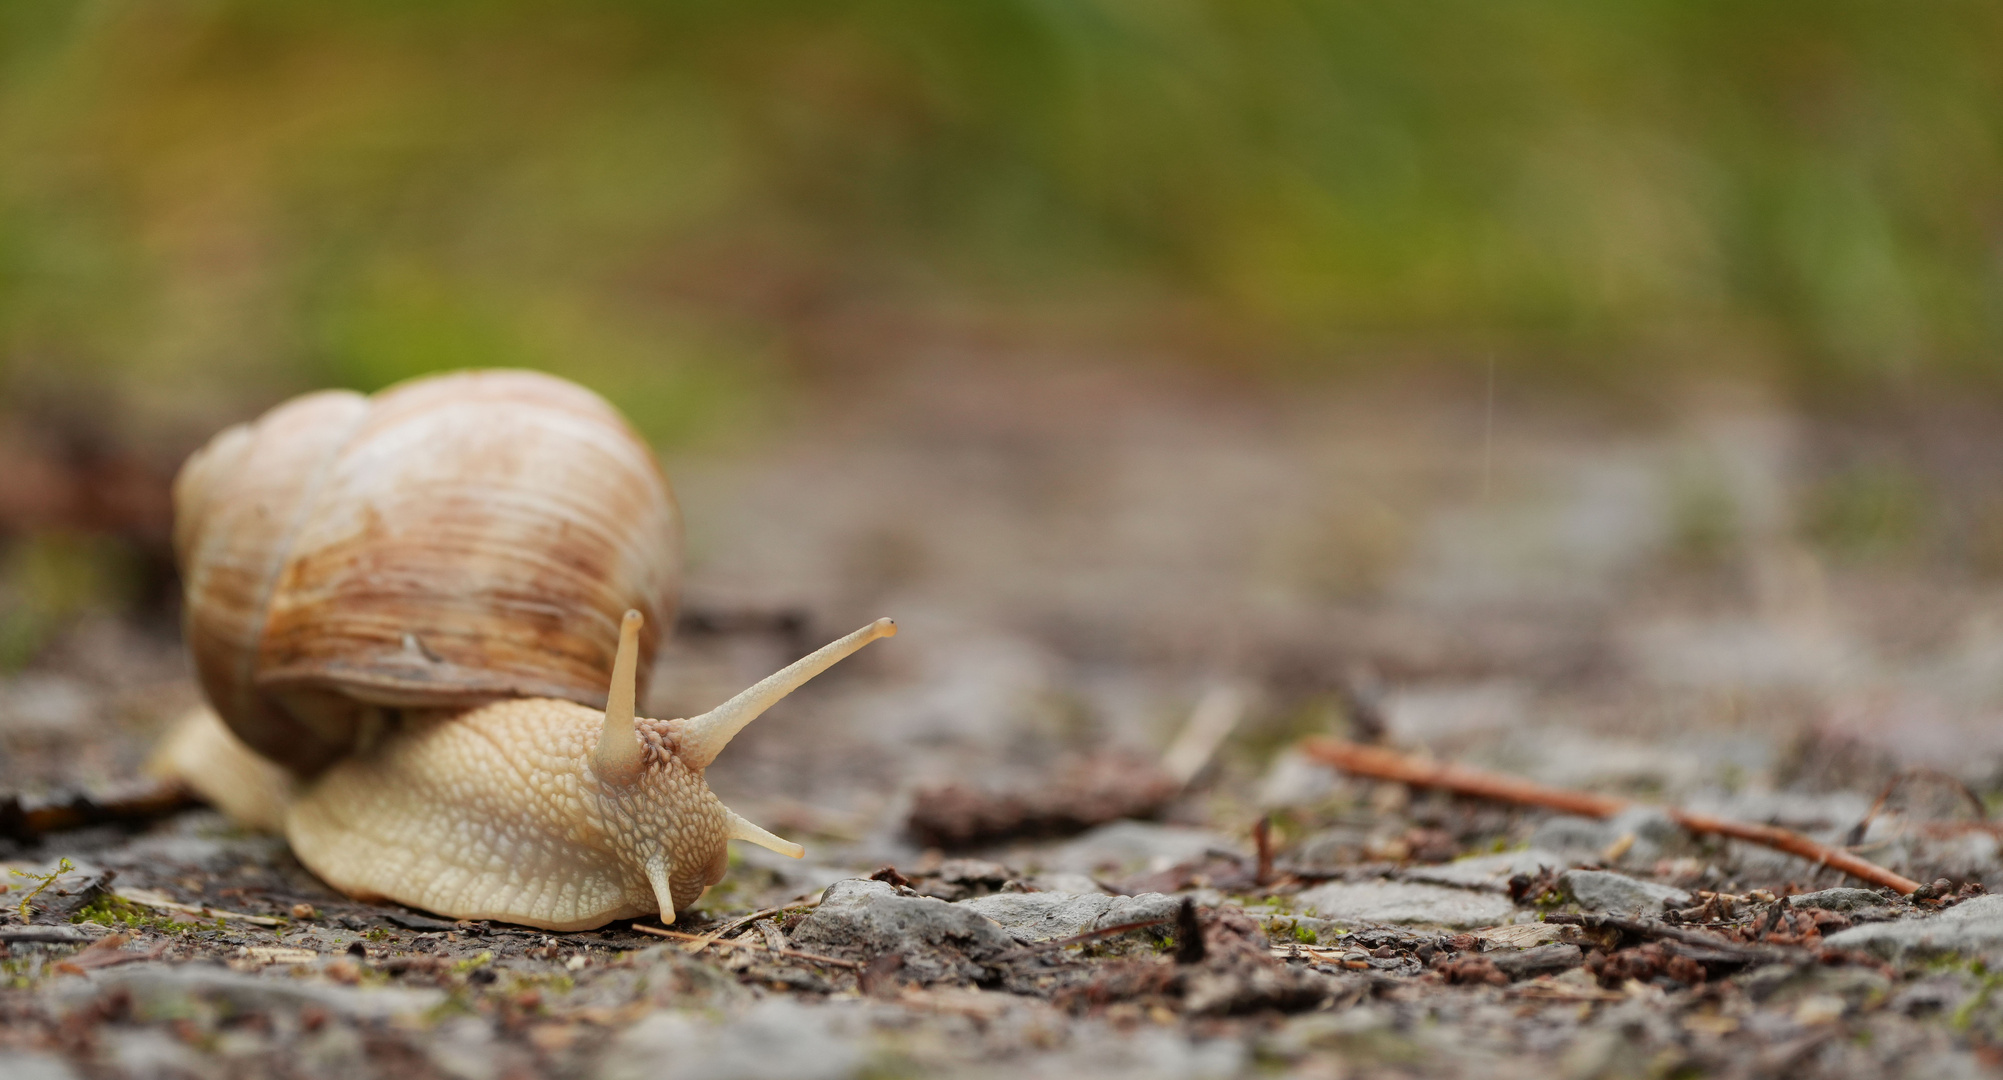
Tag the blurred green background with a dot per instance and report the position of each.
(664, 198)
(207, 205)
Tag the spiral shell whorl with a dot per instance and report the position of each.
(450, 541)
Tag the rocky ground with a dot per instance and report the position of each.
(1709, 603)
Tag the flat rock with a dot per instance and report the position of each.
(166, 991)
(28, 1065)
(1971, 928)
(1597, 890)
(1136, 845)
(1655, 835)
(1574, 837)
(1406, 902)
(42, 935)
(1539, 960)
(776, 1038)
(1491, 872)
(1522, 935)
(937, 940)
(1040, 916)
(1840, 900)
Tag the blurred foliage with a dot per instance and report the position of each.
(1704, 526)
(1872, 508)
(246, 197)
(49, 580)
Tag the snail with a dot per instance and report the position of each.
(423, 620)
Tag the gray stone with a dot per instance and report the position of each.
(1103, 1052)
(28, 1065)
(938, 940)
(1656, 835)
(204, 842)
(42, 935)
(1136, 845)
(1971, 928)
(776, 1039)
(1538, 960)
(151, 1052)
(463, 1048)
(1043, 915)
(1789, 983)
(1333, 848)
(175, 991)
(1573, 836)
(1063, 881)
(1840, 900)
(1597, 890)
(1405, 902)
(1490, 872)
(1036, 916)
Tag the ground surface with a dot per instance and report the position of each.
(1709, 602)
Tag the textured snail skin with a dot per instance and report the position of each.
(495, 813)
(534, 811)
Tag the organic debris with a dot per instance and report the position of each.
(1092, 791)
(1386, 764)
(26, 818)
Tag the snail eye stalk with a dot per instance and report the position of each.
(617, 757)
(705, 736)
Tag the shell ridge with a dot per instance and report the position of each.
(301, 513)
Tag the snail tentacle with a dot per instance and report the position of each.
(740, 829)
(705, 736)
(618, 756)
(659, 869)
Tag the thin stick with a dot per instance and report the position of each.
(1383, 764)
(794, 953)
(149, 898)
(710, 938)
(1386, 764)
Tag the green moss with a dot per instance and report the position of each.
(43, 881)
(1964, 1017)
(472, 963)
(556, 982)
(111, 910)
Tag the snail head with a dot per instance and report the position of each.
(649, 766)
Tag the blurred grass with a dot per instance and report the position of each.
(49, 580)
(226, 199)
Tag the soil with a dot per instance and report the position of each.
(1690, 603)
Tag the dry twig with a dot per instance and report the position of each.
(161, 901)
(733, 944)
(706, 940)
(1383, 764)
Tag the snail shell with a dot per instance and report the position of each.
(434, 607)
(448, 542)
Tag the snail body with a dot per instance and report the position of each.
(422, 619)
